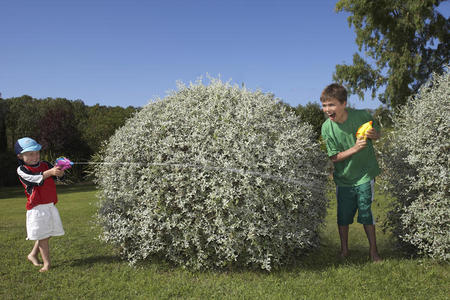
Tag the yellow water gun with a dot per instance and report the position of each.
(362, 130)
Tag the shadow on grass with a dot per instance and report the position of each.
(12, 192)
(76, 188)
(18, 191)
(327, 256)
(321, 259)
(316, 260)
(92, 260)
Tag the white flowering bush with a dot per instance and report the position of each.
(213, 176)
(416, 158)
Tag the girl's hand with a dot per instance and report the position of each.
(56, 171)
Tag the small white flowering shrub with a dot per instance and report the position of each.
(416, 158)
(213, 176)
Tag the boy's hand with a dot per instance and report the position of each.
(372, 134)
(360, 144)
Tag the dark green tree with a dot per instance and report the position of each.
(311, 113)
(404, 42)
(62, 126)
(57, 132)
(102, 122)
(8, 161)
(3, 113)
(21, 119)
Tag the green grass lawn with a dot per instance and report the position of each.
(85, 268)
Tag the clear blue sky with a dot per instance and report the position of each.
(127, 52)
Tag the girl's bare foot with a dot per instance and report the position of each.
(34, 260)
(44, 269)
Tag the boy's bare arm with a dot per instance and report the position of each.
(359, 145)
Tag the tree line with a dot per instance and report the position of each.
(63, 128)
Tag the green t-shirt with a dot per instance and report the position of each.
(360, 167)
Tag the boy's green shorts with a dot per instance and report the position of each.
(355, 198)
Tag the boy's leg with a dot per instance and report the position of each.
(33, 256)
(45, 254)
(343, 235)
(346, 210)
(366, 194)
(373, 251)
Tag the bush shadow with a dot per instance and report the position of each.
(323, 260)
(92, 260)
(12, 192)
(76, 188)
(316, 260)
(18, 190)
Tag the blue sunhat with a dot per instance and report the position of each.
(26, 144)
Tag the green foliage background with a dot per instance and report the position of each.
(63, 127)
(402, 43)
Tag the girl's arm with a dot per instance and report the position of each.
(55, 171)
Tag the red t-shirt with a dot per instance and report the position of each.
(37, 190)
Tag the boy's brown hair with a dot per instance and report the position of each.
(335, 91)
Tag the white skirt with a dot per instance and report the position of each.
(43, 221)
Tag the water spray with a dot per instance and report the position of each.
(65, 164)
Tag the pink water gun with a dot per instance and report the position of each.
(63, 163)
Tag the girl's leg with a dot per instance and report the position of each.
(373, 251)
(45, 254)
(33, 256)
(343, 234)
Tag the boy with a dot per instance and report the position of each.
(355, 165)
(43, 220)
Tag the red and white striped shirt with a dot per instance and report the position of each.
(37, 190)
